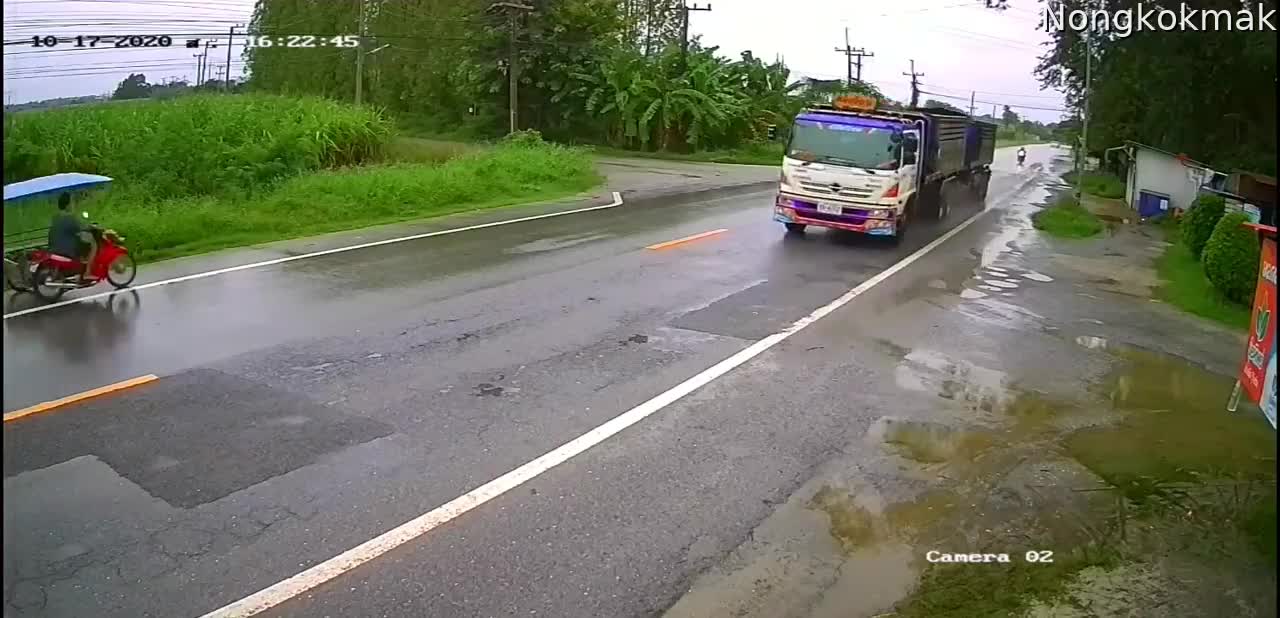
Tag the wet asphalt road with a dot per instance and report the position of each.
(307, 407)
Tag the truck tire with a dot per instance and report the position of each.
(930, 204)
(908, 214)
(795, 228)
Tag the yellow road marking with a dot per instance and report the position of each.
(681, 241)
(70, 399)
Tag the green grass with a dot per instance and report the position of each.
(1101, 184)
(402, 149)
(769, 153)
(223, 145)
(1067, 219)
(996, 590)
(1186, 287)
(346, 199)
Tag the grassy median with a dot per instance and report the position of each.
(1066, 218)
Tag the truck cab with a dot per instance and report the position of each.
(848, 166)
(849, 170)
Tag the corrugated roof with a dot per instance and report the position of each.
(1162, 151)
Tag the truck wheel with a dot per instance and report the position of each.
(904, 222)
(795, 228)
(980, 187)
(931, 208)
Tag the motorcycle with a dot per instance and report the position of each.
(1021, 157)
(53, 275)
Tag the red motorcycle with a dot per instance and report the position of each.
(54, 274)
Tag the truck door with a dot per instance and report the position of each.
(911, 163)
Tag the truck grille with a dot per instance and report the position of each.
(850, 192)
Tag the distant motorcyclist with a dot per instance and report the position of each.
(1022, 155)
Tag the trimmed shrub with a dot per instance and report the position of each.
(1231, 258)
(1200, 221)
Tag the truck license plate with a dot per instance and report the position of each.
(830, 209)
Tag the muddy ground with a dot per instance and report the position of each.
(1045, 402)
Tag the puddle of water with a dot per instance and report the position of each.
(1035, 276)
(957, 380)
(1001, 283)
(936, 443)
(1176, 428)
(851, 525)
(1152, 381)
(969, 294)
(1001, 313)
(990, 288)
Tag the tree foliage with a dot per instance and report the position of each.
(134, 86)
(1210, 93)
(607, 71)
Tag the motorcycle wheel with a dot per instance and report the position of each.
(121, 271)
(39, 280)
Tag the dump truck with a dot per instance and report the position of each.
(852, 166)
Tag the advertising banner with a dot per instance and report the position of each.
(1258, 356)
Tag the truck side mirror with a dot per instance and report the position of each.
(908, 158)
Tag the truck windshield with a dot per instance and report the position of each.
(842, 144)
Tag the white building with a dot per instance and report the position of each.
(1161, 181)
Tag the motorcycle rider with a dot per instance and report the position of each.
(67, 237)
(1022, 155)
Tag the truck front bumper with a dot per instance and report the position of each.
(790, 210)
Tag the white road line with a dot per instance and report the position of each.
(617, 201)
(284, 590)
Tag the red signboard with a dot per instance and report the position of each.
(1262, 328)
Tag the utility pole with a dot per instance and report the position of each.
(915, 83)
(204, 63)
(853, 58)
(226, 86)
(360, 27)
(972, 95)
(684, 30)
(513, 10)
(1084, 129)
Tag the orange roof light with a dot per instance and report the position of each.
(855, 102)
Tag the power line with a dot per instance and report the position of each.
(948, 96)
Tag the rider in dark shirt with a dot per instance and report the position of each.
(66, 235)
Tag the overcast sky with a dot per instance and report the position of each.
(958, 45)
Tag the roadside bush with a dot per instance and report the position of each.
(525, 137)
(1199, 222)
(1231, 258)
